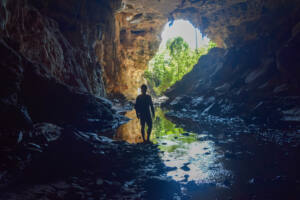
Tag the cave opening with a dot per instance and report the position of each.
(182, 45)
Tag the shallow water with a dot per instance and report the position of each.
(212, 163)
(190, 157)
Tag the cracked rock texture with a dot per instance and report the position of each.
(61, 36)
(51, 78)
(50, 71)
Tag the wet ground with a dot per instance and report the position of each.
(221, 158)
(191, 156)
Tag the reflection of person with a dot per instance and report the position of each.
(142, 107)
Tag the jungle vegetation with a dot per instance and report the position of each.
(170, 64)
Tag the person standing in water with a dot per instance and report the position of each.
(143, 104)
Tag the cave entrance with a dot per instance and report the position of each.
(181, 47)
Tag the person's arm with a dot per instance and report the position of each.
(137, 107)
(152, 107)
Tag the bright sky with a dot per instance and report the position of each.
(184, 29)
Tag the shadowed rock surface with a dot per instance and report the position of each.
(247, 82)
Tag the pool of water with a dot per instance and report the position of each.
(220, 161)
(189, 156)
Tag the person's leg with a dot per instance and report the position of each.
(142, 120)
(149, 124)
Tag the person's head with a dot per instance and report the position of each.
(144, 89)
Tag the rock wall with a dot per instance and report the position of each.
(84, 42)
(233, 22)
(80, 43)
(60, 35)
(229, 23)
(258, 81)
(259, 39)
(136, 40)
(51, 80)
(50, 69)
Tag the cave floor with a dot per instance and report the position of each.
(215, 159)
(220, 158)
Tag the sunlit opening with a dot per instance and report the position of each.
(181, 47)
(184, 29)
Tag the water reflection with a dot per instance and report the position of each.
(190, 156)
(131, 131)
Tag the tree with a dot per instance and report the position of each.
(170, 65)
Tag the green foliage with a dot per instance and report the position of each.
(163, 128)
(211, 45)
(169, 65)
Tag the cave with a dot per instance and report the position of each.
(70, 74)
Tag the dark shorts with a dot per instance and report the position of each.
(147, 120)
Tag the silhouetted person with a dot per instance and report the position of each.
(142, 107)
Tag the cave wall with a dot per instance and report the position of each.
(258, 81)
(135, 41)
(60, 35)
(229, 23)
(234, 22)
(104, 47)
(50, 69)
(257, 75)
(51, 86)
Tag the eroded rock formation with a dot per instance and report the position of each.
(260, 38)
(51, 79)
(59, 35)
(49, 55)
(258, 82)
(228, 23)
(136, 42)
(82, 42)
